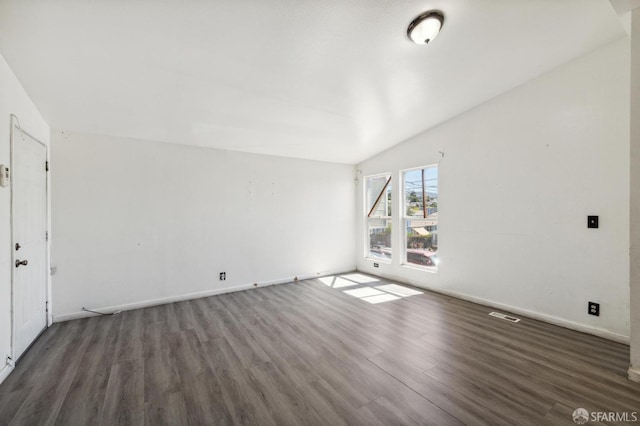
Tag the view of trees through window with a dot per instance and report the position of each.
(421, 216)
(378, 205)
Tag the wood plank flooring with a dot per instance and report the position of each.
(311, 353)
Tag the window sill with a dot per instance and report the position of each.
(420, 268)
(373, 259)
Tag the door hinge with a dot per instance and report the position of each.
(46, 304)
(46, 235)
(46, 166)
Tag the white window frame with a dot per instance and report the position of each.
(404, 218)
(366, 209)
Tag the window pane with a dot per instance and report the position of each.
(422, 241)
(413, 193)
(420, 184)
(379, 238)
(378, 216)
(421, 216)
(378, 192)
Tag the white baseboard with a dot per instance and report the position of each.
(634, 374)
(189, 296)
(4, 373)
(583, 328)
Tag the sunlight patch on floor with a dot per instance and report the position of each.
(398, 290)
(328, 281)
(337, 282)
(364, 292)
(368, 289)
(380, 298)
(360, 279)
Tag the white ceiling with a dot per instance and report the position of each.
(333, 80)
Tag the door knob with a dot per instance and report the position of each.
(21, 262)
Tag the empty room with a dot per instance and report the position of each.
(287, 212)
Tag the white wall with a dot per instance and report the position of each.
(137, 222)
(13, 100)
(519, 176)
(634, 370)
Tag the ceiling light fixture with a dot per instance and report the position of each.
(425, 27)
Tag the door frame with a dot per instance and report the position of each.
(15, 127)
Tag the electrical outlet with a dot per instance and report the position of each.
(223, 276)
(4, 175)
(592, 221)
(375, 265)
(594, 309)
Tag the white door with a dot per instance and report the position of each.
(29, 219)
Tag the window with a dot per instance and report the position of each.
(421, 217)
(378, 212)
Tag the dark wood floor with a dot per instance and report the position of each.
(309, 353)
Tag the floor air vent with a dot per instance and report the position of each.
(504, 317)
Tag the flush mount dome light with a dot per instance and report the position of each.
(425, 27)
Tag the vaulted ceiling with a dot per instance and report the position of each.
(334, 80)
